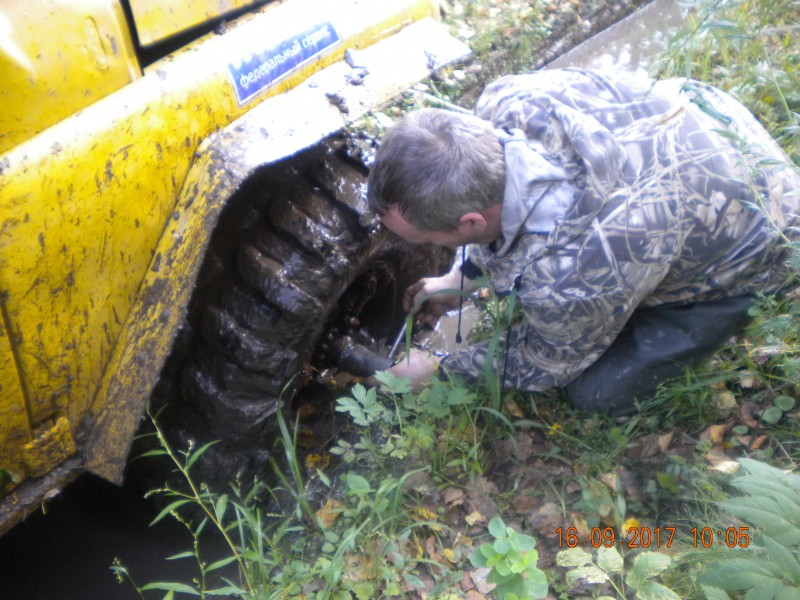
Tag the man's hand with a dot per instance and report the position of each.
(418, 366)
(430, 310)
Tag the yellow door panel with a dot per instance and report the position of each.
(84, 203)
(157, 20)
(13, 416)
(48, 72)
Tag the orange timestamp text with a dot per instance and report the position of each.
(655, 537)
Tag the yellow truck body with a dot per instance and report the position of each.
(110, 188)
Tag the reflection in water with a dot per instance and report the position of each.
(629, 45)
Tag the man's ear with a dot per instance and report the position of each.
(472, 222)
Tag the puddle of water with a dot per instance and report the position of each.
(442, 338)
(628, 46)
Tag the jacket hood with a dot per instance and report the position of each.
(565, 177)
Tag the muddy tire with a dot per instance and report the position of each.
(293, 264)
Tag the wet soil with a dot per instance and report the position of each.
(65, 552)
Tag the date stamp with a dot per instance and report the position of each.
(654, 538)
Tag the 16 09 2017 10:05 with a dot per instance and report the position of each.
(656, 537)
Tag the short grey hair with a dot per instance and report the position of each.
(435, 166)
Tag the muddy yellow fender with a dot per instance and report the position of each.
(106, 215)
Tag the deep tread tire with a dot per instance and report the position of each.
(288, 249)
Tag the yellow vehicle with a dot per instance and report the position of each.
(175, 183)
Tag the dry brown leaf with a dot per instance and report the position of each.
(474, 517)
(526, 503)
(432, 550)
(307, 413)
(546, 519)
(611, 480)
(744, 413)
(715, 433)
(453, 497)
(664, 440)
(512, 408)
(329, 512)
(748, 442)
(478, 577)
(721, 462)
(646, 447)
(318, 461)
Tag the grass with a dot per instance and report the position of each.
(397, 505)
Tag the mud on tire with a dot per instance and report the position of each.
(292, 262)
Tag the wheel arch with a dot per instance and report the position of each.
(276, 130)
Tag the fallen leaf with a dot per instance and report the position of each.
(318, 461)
(478, 577)
(329, 512)
(307, 413)
(646, 447)
(546, 519)
(422, 483)
(748, 442)
(526, 503)
(664, 440)
(513, 409)
(453, 497)
(432, 550)
(721, 462)
(715, 433)
(474, 517)
(744, 413)
(611, 480)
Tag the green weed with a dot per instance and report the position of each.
(511, 558)
(606, 566)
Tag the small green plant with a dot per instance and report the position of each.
(607, 567)
(768, 568)
(210, 510)
(512, 559)
(437, 426)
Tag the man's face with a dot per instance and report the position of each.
(397, 224)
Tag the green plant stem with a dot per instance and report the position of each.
(197, 498)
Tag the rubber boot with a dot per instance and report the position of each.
(655, 345)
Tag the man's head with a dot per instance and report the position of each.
(435, 166)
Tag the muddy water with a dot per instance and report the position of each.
(66, 553)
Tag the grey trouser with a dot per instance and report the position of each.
(656, 344)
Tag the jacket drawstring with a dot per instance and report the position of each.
(461, 296)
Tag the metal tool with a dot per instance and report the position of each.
(396, 345)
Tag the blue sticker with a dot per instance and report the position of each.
(261, 69)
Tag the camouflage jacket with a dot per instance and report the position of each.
(618, 195)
